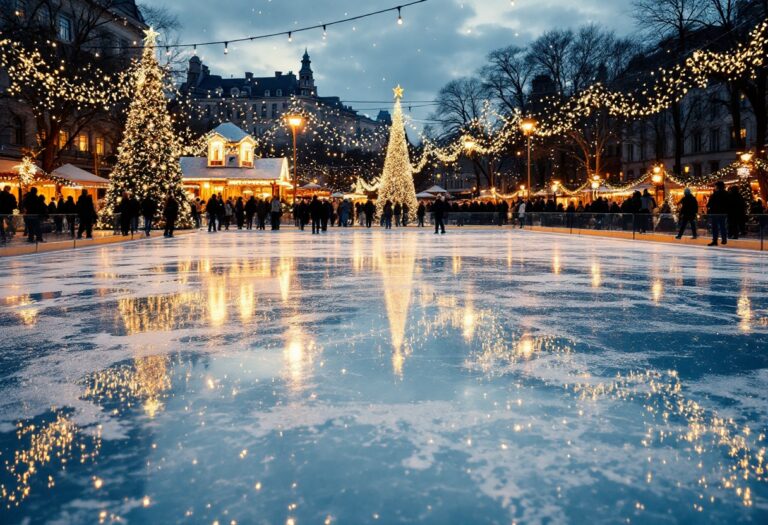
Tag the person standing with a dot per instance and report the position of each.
(212, 210)
(86, 214)
(315, 211)
(7, 205)
(647, 205)
(239, 213)
(58, 217)
(69, 210)
(124, 209)
(387, 215)
(262, 210)
(717, 208)
(327, 214)
(30, 207)
(438, 211)
(370, 210)
(276, 211)
(170, 214)
(135, 206)
(148, 211)
(250, 211)
(689, 208)
(421, 212)
(521, 213)
(398, 211)
(406, 211)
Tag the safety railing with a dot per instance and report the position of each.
(753, 227)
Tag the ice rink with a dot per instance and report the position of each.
(384, 377)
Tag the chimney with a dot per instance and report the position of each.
(278, 73)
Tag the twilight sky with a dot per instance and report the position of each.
(440, 39)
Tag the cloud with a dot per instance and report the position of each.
(361, 61)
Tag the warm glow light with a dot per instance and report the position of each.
(746, 157)
(295, 121)
(528, 126)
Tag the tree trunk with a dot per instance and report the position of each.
(679, 137)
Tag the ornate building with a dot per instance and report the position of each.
(258, 104)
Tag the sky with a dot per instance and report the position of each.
(362, 61)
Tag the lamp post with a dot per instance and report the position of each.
(658, 180)
(295, 122)
(555, 188)
(528, 127)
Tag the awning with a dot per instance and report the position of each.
(425, 195)
(79, 176)
(435, 189)
(11, 167)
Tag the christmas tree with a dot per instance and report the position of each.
(397, 179)
(148, 156)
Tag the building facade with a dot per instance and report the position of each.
(258, 104)
(111, 33)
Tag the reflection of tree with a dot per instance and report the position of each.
(144, 382)
(396, 270)
(43, 444)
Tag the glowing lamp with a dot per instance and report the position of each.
(656, 178)
(295, 121)
(746, 157)
(528, 126)
(595, 185)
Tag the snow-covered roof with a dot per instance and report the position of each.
(435, 189)
(78, 176)
(231, 132)
(12, 166)
(263, 169)
(425, 195)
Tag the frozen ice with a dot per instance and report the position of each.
(484, 376)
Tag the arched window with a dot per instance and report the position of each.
(246, 155)
(216, 154)
(18, 131)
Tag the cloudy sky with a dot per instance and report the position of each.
(439, 40)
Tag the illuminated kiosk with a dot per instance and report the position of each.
(231, 169)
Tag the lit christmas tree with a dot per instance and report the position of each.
(397, 179)
(148, 156)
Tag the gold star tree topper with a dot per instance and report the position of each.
(398, 92)
(150, 37)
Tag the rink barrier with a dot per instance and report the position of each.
(639, 226)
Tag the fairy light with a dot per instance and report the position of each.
(399, 16)
(226, 48)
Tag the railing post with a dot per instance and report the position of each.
(634, 227)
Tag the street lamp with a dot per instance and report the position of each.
(658, 180)
(295, 122)
(555, 187)
(528, 127)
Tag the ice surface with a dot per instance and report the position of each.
(385, 377)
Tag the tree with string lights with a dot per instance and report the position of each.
(148, 157)
(397, 178)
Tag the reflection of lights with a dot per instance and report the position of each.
(247, 301)
(556, 266)
(657, 290)
(299, 356)
(397, 280)
(744, 311)
(469, 323)
(525, 347)
(217, 303)
(456, 260)
(597, 278)
(45, 443)
(284, 274)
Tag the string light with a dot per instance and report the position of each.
(290, 36)
(226, 48)
(399, 17)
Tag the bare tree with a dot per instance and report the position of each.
(165, 22)
(673, 21)
(85, 51)
(507, 76)
(551, 54)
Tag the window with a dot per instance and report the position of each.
(264, 110)
(65, 28)
(82, 142)
(216, 154)
(63, 139)
(99, 145)
(630, 152)
(274, 111)
(279, 93)
(246, 155)
(714, 140)
(17, 137)
(267, 93)
(696, 142)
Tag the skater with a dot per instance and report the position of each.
(370, 210)
(438, 212)
(387, 215)
(86, 214)
(689, 208)
(717, 208)
(276, 210)
(421, 212)
(148, 210)
(170, 214)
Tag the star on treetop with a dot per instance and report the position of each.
(150, 37)
(398, 92)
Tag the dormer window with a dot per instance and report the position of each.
(216, 153)
(267, 93)
(246, 155)
(279, 93)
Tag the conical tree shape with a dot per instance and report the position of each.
(148, 156)
(397, 179)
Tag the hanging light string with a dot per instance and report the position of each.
(290, 33)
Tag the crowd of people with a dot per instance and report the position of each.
(727, 207)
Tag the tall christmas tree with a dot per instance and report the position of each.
(397, 179)
(148, 156)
